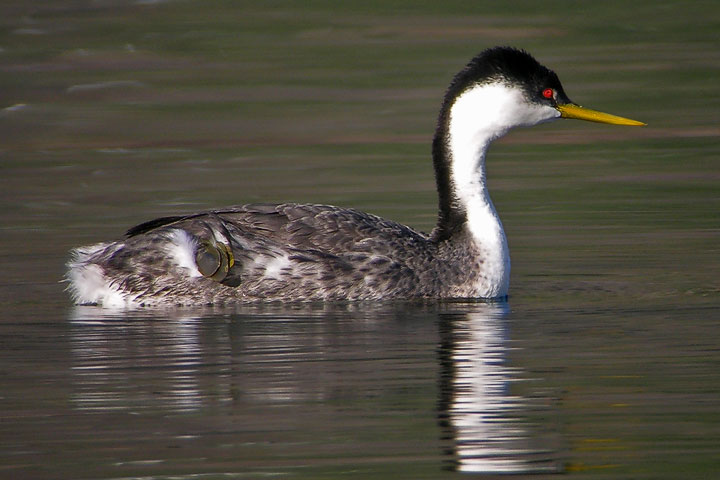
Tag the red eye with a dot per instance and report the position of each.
(548, 93)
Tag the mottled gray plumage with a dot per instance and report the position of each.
(322, 252)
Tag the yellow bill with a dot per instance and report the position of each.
(570, 110)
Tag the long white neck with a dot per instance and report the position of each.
(468, 124)
(478, 117)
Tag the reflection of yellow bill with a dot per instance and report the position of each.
(570, 110)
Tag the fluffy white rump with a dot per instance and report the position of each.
(88, 283)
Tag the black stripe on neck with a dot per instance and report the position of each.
(451, 215)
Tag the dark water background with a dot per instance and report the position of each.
(605, 363)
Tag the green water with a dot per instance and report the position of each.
(112, 113)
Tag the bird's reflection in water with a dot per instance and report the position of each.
(241, 364)
(134, 363)
(487, 424)
(188, 359)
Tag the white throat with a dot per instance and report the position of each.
(477, 117)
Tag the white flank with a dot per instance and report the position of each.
(182, 250)
(479, 116)
(275, 266)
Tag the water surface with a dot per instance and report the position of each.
(603, 364)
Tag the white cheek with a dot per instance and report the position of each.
(528, 115)
(489, 111)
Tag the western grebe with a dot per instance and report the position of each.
(295, 252)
